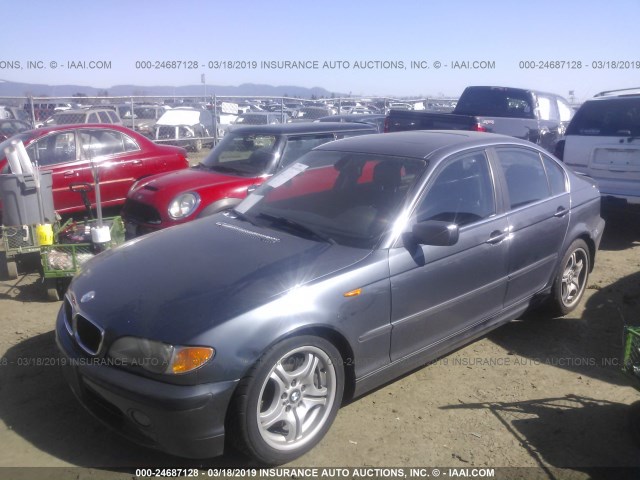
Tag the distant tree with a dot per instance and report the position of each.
(103, 93)
(313, 96)
(80, 95)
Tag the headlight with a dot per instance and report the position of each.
(183, 205)
(158, 357)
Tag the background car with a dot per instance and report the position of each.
(375, 119)
(603, 142)
(10, 127)
(142, 118)
(363, 260)
(244, 159)
(185, 126)
(81, 115)
(122, 155)
(310, 114)
(258, 118)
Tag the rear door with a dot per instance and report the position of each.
(539, 211)
(59, 153)
(118, 159)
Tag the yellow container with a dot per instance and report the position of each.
(44, 234)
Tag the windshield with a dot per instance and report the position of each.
(246, 154)
(349, 198)
(495, 102)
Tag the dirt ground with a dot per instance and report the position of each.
(539, 392)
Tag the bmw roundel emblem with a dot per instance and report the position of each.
(87, 297)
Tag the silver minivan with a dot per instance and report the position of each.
(603, 142)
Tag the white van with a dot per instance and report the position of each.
(603, 142)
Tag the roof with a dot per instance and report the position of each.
(40, 132)
(419, 143)
(298, 128)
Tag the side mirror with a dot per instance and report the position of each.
(436, 233)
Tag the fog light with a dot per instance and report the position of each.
(140, 418)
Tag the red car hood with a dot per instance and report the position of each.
(159, 190)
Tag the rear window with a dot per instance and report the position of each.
(612, 117)
(495, 102)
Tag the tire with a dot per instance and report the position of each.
(197, 145)
(12, 270)
(634, 422)
(288, 401)
(571, 278)
(53, 293)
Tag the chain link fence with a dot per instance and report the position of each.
(192, 122)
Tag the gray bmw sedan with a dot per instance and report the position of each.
(365, 259)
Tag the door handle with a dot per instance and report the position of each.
(137, 162)
(560, 212)
(497, 236)
(69, 173)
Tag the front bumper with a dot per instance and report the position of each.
(186, 421)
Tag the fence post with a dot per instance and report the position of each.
(215, 120)
(33, 112)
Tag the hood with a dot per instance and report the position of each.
(166, 186)
(176, 284)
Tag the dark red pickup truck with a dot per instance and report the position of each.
(530, 115)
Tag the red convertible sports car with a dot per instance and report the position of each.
(121, 155)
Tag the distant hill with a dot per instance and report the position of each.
(17, 89)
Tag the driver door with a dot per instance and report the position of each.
(441, 292)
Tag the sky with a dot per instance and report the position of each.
(363, 48)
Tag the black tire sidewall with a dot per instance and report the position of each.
(634, 422)
(254, 441)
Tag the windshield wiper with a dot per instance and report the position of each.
(296, 227)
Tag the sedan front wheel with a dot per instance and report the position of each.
(287, 403)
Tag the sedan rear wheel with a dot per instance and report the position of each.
(571, 279)
(288, 402)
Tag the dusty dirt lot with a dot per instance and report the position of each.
(539, 392)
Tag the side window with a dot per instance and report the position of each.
(113, 116)
(298, 146)
(565, 110)
(462, 192)
(97, 143)
(544, 108)
(525, 175)
(130, 145)
(555, 173)
(93, 118)
(53, 149)
(104, 118)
